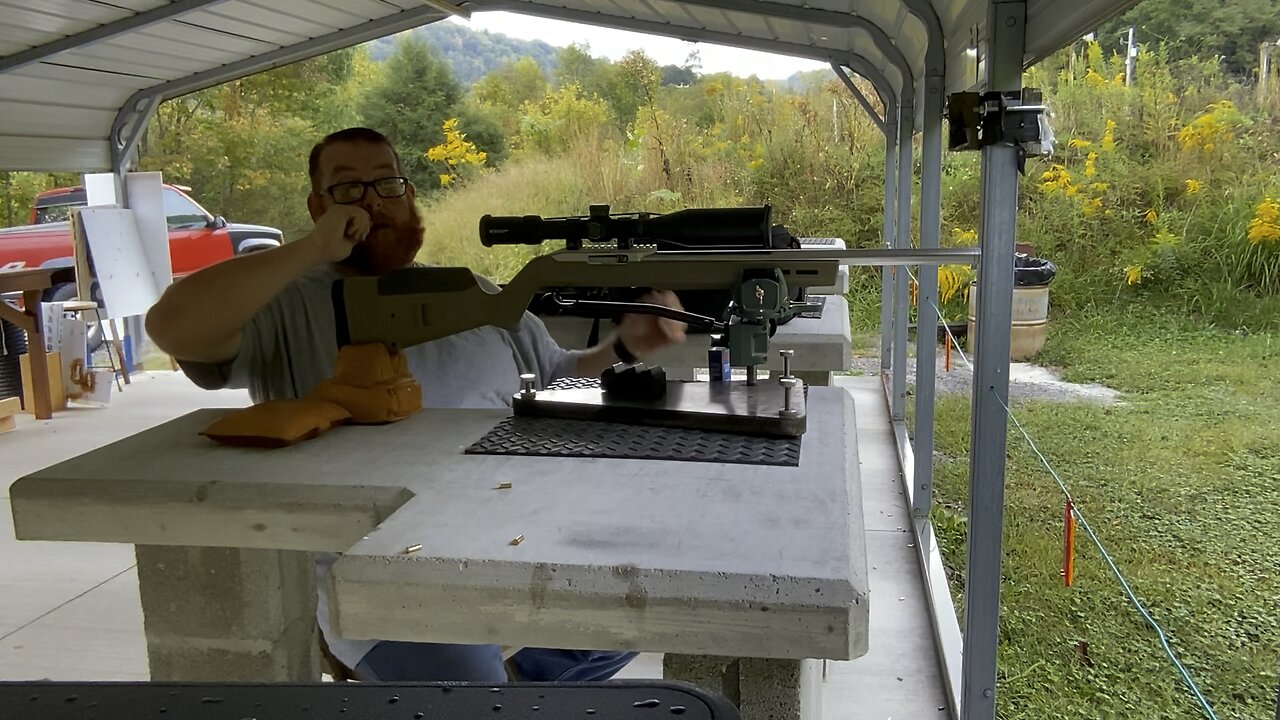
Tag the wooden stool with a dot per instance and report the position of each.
(88, 306)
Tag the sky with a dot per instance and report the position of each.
(613, 44)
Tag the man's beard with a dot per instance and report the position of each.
(389, 246)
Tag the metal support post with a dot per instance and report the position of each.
(1005, 41)
(1130, 56)
(859, 96)
(887, 233)
(902, 240)
(927, 296)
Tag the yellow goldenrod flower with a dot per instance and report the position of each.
(1265, 225)
(1094, 79)
(455, 151)
(1118, 80)
(964, 237)
(1193, 186)
(1133, 274)
(1100, 187)
(1091, 207)
(1079, 143)
(1091, 165)
(1214, 125)
(1150, 216)
(1056, 178)
(953, 279)
(1108, 136)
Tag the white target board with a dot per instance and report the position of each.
(127, 278)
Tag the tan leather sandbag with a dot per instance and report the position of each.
(276, 423)
(369, 364)
(381, 403)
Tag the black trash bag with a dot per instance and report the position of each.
(1030, 271)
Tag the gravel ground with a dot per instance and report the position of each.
(1026, 381)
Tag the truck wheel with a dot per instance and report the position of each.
(92, 330)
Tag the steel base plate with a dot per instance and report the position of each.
(732, 407)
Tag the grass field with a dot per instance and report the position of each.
(1181, 483)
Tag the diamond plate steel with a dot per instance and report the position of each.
(553, 437)
(574, 384)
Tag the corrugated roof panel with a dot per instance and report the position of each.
(263, 33)
(49, 120)
(199, 56)
(326, 15)
(61, 73)
(22, 87)
(104, 12)
(294, 22)
(133, 5)
(132, 61)
(91, 14)
(18, 35)
(181, 32)
(47, 154)
(367, 9)
(156, 74)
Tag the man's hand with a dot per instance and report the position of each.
(646, 334)
(338, 231)
(642, 335)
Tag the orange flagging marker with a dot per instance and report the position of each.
(1069, 542)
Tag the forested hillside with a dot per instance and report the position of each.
(470, 54)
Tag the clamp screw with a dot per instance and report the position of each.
(788, 387)
(526, 382)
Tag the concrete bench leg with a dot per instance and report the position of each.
(813, 378)
(229, 614)
(762, 688)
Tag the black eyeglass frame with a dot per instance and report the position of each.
(365, 185)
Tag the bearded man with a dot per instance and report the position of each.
(265, 322)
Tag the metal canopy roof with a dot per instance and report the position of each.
(80, 78)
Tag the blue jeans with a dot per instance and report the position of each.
(391, 661)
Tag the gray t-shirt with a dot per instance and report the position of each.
(290, 346)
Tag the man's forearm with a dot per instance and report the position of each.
(594, 361)
(200, 317)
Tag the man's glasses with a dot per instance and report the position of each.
(353, 192)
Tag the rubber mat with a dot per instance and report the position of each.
(553, 437)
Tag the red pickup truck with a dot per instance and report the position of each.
(197, 239)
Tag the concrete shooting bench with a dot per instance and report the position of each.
(744, 575)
